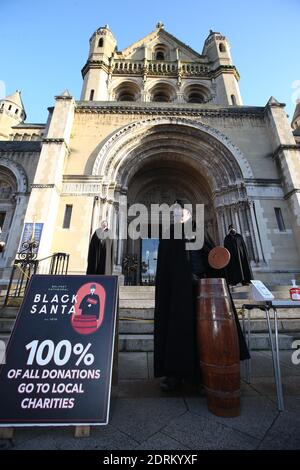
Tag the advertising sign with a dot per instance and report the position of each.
(59, 358)
(31, 231)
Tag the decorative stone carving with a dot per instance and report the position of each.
(19, 173)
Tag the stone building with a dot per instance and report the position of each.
(155, 122)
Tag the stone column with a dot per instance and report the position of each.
(46, 188)
(287, 157)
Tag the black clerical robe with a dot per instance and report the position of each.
(90, 305)
(100, 254)
(238, 269)
(174, 319)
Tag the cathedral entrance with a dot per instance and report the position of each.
(158, 160)
(162, 181)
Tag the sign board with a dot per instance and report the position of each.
(31, 231)
(59, 358)
(260, 291)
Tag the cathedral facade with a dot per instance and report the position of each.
(155, 122)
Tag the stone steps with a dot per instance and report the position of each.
(144, 343)
(136, 313)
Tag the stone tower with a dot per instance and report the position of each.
(12, 112)
(217, 49)
(97, 69)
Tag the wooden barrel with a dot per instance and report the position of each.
(218, 348)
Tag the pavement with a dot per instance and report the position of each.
(144, 417)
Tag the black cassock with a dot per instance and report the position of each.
(175, 348)
(96, 255)
(94, 302)
(238, 269)
(174, 319)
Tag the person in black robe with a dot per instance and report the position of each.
(174, 320)
(90, 304)
(238, 269)
(100, 254)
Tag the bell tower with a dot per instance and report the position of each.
(226, 76)
(12, 112)
(96, 71)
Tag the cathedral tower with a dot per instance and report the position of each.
(12, 112)
(97, 69)
(217, 49)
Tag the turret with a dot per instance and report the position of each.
(96, 71)
(12, 112)
(217, 50)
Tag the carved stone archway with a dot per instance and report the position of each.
(173, 141)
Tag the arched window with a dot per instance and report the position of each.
(126, 96)
(92, 92)
(233, 100)
(160, 55)
(160, 52)
(163, 93)
(195, 97)
(127, 91)
(222, 47)
(197, 93)
(161, 97)
(101, 42)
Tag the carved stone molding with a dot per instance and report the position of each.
(19, 173)
(115, 147)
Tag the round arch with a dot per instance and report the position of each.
(122, 147)
(17, 171)
(169, 141)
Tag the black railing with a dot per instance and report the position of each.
(26, 264)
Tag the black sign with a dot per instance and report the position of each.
(59, 358)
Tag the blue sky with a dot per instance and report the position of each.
(44, 43)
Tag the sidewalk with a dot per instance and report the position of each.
(143, 417)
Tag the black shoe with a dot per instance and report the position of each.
(169, 384)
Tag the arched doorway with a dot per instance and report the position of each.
(162, 180)
(157, 159)
(8, 190)
(13, 203)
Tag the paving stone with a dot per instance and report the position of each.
(266, 385)
(257, 415)
(161, 441)
(284, 434)
(141, 418)
(102, 437)
(262, 365)
(141, 389)
(198, 432)
(287, 366)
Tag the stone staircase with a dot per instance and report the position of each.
(136, 311)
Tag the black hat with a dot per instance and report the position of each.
(93, 286)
